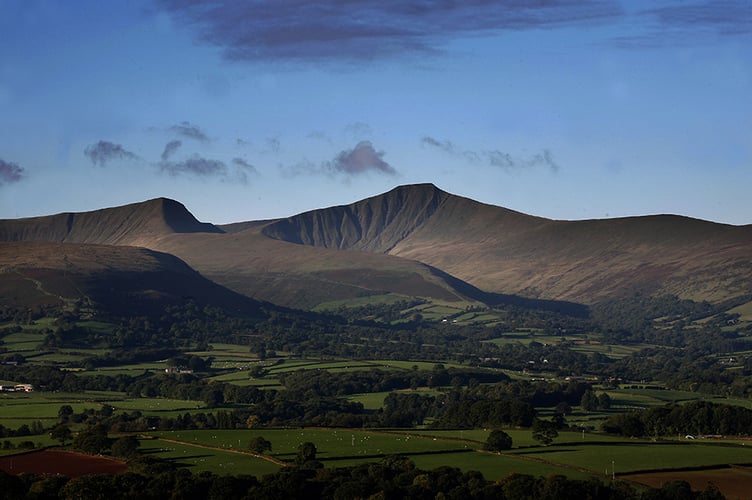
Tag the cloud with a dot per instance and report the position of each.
(170, 149)
(688, 23)
(190, 131)
(358, 129)
(361, 159)
(364, 30)
(242, 169)
(105, 151)
(722, 17)
(10, 172)
(494, 158)
(195, 165)
(273, 144)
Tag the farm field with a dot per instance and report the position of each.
(595, 456)
(733, 482)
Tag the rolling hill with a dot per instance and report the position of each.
(420, 241)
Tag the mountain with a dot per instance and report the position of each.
(136, 224)
(503, 251)
(418, 240)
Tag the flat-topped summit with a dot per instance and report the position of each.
(132, 224)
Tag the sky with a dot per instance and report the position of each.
(566, 109)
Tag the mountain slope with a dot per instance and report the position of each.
(503, 251)
(136, 224)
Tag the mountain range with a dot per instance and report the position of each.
(413, 241)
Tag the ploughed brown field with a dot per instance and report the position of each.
(62, 462)
(733, 482)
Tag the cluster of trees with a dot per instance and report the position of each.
(393, 477)
(326, 383)
(694, 418)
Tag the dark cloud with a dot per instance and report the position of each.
(10, 172)
(364, 30)
(105, 151)
(495, 158)
(170, 149)
(361, 159)
(195, 165)
(190, 131)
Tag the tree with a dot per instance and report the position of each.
(65, 412)
(589, 402)
(306, 453)
(93, 440)
(604, 401)
(498, 440)
(125, 447)
(260, 445)
(544, 432)
(252, 421)
(563, 408)
(61, 433)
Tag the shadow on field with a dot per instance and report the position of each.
(382, 455)
(543, 452)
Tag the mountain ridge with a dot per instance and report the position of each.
(420, 240)
(132, 224)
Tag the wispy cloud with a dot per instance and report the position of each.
(170, 149)
(361, 159)
(243, 169)
(196, 165)
(359, 130)
(190, 131)
(10, 172)
(103, 152)
(722, 17)
(688, 23)
(495, 157)
(364, 30)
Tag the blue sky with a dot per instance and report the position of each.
(249, 110)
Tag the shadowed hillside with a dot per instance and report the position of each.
(114, 279)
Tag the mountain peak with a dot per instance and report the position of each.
(375, 224)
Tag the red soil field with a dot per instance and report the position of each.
(733, 482)
(62, 462)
